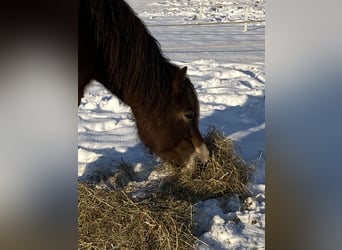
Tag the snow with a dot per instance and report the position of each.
(226, 66)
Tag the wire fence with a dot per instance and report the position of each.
(206, 13)
(203, 40)
(207, 23)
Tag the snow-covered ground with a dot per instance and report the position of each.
(226, 66)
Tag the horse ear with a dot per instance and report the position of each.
(182, 74)
(178, 84)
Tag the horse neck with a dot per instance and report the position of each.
(132, 63)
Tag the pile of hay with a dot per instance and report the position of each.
(224, 174)
(111, 220)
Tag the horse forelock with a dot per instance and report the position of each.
(136, 70)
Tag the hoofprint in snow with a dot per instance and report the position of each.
(230, 84)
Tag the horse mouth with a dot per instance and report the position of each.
(202, 153)
(183, 157)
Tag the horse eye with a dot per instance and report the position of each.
(189, 115)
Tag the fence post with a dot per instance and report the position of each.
(201, 9)
(245, 29)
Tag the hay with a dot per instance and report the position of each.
(111, 220)
(224, 174)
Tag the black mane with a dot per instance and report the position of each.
(132, 59)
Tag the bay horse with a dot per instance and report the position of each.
(116, 49)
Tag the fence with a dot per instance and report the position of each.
(197, 8)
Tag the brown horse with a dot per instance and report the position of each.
(116, 49)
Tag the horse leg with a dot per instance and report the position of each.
(87, 71)
(86, 61)
(85, 75)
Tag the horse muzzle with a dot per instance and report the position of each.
(202, 153)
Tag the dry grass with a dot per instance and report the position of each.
(112, 220)
(224, 174)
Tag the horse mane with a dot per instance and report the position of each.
(136, 70)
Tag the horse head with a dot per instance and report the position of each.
(173, 133)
